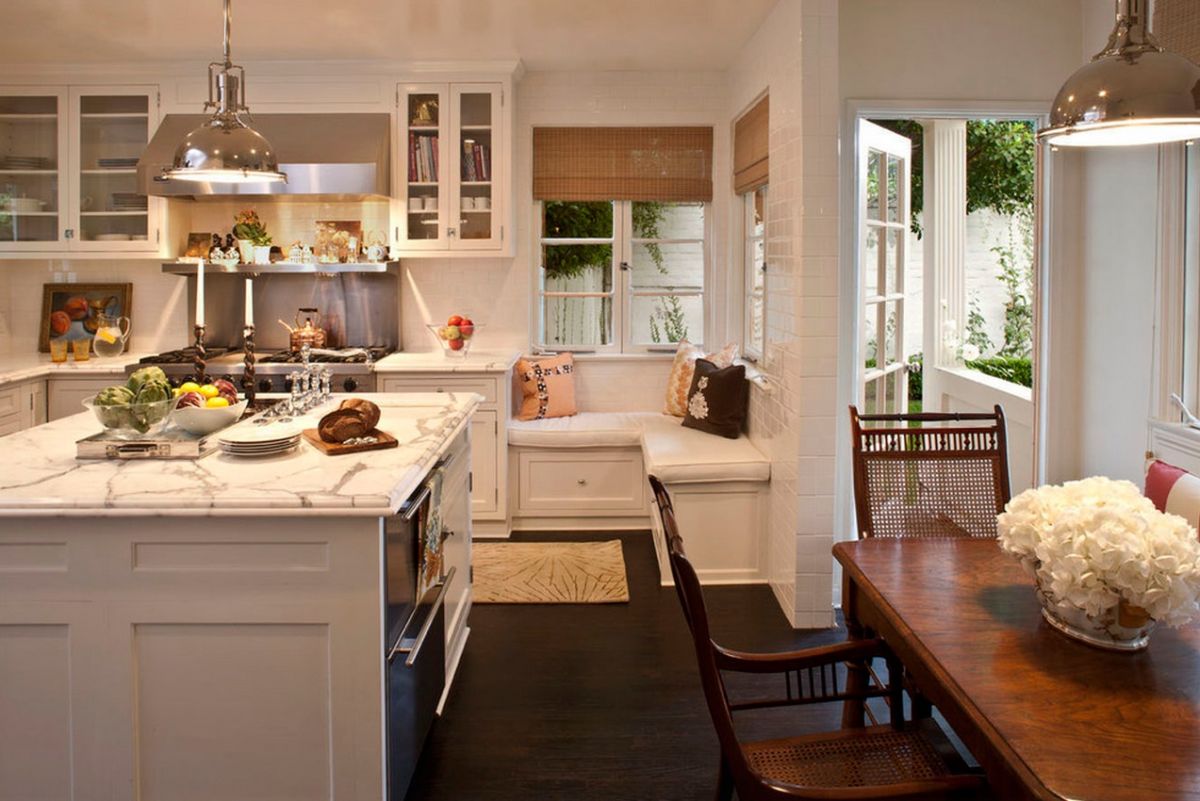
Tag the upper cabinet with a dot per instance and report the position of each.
(67, 170)
(453, 169)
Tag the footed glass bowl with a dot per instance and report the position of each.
(455, 340)
(134, 420)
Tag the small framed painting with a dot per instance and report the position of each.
(198, 245)
(73, 311)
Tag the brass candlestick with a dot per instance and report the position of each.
(199, 355)
(248, 385)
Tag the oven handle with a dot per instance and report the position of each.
(410, 511)
(415, 649)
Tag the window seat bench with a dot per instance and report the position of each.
(588, 472)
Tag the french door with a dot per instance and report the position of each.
(884, 160)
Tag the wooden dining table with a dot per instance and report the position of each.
(1047, 717)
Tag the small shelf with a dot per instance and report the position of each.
(116, 115)
(113, 213)
(476, 183)
(422, 211)
(423, 128)
(475, 128)
(476, 211)
(422, 183)
(110, 171)
(28, 172)
(28, 117)
(29, 213)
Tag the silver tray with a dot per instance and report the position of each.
(174, 443)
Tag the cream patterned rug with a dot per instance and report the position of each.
(549, 573)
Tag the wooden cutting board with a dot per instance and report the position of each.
(385, 441)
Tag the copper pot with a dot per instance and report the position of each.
(309, 332)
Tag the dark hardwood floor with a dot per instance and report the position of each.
(601, 701)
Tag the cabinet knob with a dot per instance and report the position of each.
(581, 482)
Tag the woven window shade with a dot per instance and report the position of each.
(663, 164)
(751, 148)
(1177, 26)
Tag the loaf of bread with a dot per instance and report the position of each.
(342, 424)
(370, 411)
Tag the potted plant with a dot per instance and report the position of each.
(253, 240)
(1108, 565)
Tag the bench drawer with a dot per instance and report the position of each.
(601, 480)
(484, 386)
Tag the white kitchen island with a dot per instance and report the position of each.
(211, 629)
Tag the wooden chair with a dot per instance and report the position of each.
(946, 476)
(899, 761)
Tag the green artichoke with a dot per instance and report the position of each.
(146, 375)
(113, 407)
(114, 396)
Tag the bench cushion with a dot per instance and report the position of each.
(583, 430)
(679, 455)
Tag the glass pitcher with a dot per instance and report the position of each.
(111, 335)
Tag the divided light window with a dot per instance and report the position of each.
(755, 261)
(622, 275)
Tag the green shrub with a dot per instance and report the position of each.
(1014, 369)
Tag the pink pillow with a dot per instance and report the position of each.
(1173, 490)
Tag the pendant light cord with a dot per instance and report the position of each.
(228, 24)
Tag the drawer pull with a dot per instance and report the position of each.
(581, 482)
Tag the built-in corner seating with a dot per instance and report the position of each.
(588, 472)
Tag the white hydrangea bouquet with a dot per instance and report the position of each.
(1108, 564)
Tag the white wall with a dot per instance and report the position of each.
(794, 55)
(958, 49)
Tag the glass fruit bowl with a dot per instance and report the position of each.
(455, 340)
(133, 420)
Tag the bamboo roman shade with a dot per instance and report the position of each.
(751, 148)
(663, 164)
(1177, 26)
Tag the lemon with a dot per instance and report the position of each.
(189, 386)
(107, 335)
(217, 402)
(209, 391)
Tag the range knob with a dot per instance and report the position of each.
(264, 385)
(350, 384)
(287, 384)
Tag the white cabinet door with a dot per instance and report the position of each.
(34, 203)
(456, 551)
(423, 127)
(477, 140)
(485, 467)
(66, 395)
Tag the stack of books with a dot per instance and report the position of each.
(422, 158)
(477, 161)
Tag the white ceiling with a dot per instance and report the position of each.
(545, 34)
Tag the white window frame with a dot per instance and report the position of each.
(622, 292)
(753, 350)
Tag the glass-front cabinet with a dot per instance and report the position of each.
(68, 177)
(453, 138)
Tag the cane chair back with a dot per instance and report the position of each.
(929, 475)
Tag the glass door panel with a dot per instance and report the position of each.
(477, 132)
(112, 133)
(424, 117)
(31, 184)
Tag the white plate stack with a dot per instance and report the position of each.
(265, 440)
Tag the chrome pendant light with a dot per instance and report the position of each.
(1132, 93)
(225, 149)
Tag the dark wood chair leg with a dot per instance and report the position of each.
(724, 782)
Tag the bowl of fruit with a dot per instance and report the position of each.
(205, 408)
(140, 408)
(456, 335)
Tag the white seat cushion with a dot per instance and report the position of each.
(583, 430)
(679, 455)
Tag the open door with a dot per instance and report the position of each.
(884, 167)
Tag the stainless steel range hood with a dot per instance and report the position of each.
(342, 155)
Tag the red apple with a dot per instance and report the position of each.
(466, 328)
(455, 319)
(457, 344)
(76, 308)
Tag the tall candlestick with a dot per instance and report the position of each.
(248, 385)
(200, 293)
(249, 302)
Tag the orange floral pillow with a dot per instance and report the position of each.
(684, 367)
(548, 386)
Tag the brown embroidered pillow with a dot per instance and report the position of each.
(680, 380)
(548, 386)
(718, 399)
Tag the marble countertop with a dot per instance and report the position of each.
(41, 476)
(26, 366)
(476, 361)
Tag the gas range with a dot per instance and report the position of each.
(353, 368)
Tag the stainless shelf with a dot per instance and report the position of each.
(280, 268)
